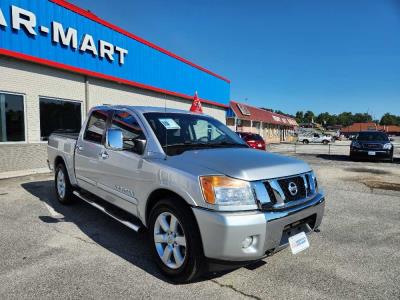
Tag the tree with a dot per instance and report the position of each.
(280, 112)
(362, 118)
(324, 119)
(345, 119)
(299, 117)
(309, 116)
(389, 119)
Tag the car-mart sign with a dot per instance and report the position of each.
(26, 20)
(56, 33)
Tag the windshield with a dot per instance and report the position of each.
(372, 136)
(179, 132)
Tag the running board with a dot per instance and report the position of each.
(104, 210)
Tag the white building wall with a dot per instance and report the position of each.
(33, 81)
(106, 92)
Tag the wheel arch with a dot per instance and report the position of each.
(59, 159)
(160, 194)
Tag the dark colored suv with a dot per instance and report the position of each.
(372, 145)
(254, 140)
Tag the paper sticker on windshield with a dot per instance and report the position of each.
(169, 124)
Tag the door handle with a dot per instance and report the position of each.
(104, 155)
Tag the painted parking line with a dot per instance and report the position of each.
(52, 212)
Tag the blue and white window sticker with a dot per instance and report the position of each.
(298, 242)
(169, 124)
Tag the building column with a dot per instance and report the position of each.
(3, 133)
(87, 95)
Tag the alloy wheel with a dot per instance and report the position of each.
(61, 185)
(170, 240)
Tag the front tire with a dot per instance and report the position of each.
(175, 241)
(62, 185)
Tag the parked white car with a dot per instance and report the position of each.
(315, 138)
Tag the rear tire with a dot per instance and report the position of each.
(177, 249)
(64, 190)
(306, 142)
(325, 142)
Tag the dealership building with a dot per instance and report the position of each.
(58, 60)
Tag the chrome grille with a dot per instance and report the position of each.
(294, 188)
(286, 192)
(372, 146)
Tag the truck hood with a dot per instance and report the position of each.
(247, 164)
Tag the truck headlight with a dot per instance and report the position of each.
(314, 178)
(387, 146)
(222, 190)
(356, 145)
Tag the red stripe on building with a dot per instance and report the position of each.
(101, 76)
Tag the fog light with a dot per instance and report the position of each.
(246, 243)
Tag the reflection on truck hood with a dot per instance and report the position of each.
(246, 164)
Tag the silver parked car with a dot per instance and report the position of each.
(207, 200)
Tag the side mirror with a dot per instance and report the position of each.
(114, 139)
(140, 146)
(391, 139)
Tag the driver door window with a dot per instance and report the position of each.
(130, 128)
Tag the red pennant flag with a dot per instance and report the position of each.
(196, 105)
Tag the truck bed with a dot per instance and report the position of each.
(69, 135)
(62, 144)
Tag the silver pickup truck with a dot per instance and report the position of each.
(207, 200)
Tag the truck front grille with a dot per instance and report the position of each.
(294, 188)
(372, 146)
(288, 191)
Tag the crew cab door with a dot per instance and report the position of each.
(89, 149)
(122, 170)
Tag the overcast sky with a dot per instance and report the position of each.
(338, 55)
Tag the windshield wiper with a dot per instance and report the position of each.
(187, 144)
(224, 143)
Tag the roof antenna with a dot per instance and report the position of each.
(166, 129)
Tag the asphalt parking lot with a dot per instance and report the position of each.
(53, 251)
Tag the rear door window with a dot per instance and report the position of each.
(96, 127)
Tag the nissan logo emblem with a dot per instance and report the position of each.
(292, 187)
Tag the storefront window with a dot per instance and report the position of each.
(59, 115)
(12, 118)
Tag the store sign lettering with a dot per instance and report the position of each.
(22, 19)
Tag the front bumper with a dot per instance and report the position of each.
(223, 233)
(379, 154)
